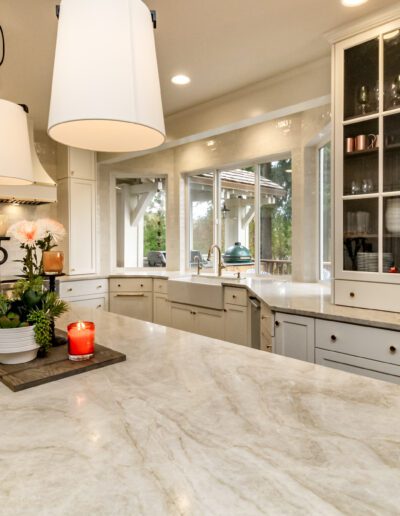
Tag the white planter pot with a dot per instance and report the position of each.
(17, 345)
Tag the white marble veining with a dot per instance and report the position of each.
(193, 426)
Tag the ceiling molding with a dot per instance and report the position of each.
(265, 117)
(367, 23)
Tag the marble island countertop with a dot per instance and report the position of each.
(193, 426)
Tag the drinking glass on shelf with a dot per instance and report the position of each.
(355, 188)
(363, 99)
(367, 186)
(351, 222)
(396, 91)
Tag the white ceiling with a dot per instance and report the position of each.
(222, 45)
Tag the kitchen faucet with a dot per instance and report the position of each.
(220, 263)
(198, 263)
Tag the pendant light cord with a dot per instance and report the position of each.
(3, 46)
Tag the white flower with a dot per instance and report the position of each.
(49, 227)
(26, 232)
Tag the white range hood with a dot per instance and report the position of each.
(43, 190)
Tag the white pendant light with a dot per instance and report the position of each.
(15, 155)
(40, 176)
(106, 91)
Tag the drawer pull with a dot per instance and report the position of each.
(69, 290)
(233, 297)
(99, 286)
(277, 323)
(333, 338)
(98, 306)
(393, 349)
(352, 294)
(141, 285)
(119, 284)
(129, 295)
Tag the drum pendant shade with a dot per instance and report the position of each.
(106, 90)
(15, 154)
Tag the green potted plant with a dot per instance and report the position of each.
(26, 317)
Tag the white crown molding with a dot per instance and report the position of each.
(369, 22)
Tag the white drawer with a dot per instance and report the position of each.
(360, 341)
(357, 365)
(377, 296)
(235, 296)
(131, 285)
(160, 286)
(83, 288)
(267, 320)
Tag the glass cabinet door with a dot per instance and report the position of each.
(391, 42)
(361, 79)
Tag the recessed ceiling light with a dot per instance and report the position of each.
(181, 80)
(353, 3)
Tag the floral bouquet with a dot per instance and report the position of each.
(43, 234)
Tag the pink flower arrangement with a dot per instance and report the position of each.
(43, 234)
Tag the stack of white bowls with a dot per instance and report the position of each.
(17, 345)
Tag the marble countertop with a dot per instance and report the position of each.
(193, 426)
(308, 299)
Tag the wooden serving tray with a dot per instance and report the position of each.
(55, 366)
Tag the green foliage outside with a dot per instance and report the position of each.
(155, 225)
(282, 212)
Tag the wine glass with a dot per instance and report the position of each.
(363, 99)
(396, 91)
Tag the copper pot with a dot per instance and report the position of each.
(360, 142)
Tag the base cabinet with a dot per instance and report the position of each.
(138, 305)
(182, 317)
(99, 302)
(236, 325)
(90, 293)
(161, 309)
(209, 323)
(294, 336)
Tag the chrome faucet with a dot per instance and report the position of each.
(198, 264)
(220, 263)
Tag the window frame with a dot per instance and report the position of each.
(256, 165)
(321, 145)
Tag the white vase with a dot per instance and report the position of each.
(392, 215)
(18, 345)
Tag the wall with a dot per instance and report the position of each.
(46, 150)
(296, 134)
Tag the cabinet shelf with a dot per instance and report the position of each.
(349, 236)
(363, 118)
(361, 152)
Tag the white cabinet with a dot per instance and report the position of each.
(372, 352)
(236, 324)
(75, 163)
(161, 309)
(182, 317)
(91, 293)
(294, 336)
(209, 322)
(366, 155)
(138, 305)
(77, 211)
(194, 319)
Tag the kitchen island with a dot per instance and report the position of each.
(194, 426)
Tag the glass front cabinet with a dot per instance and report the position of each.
(367, 168)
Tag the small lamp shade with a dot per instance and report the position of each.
(106, 91)
(15, 154)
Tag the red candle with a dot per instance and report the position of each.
(80, 340)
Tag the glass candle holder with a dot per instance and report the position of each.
(53, 262)
(80, 340)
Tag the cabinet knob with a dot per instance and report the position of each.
(98, 286)
(277, 323)
(72, 172)
(333, 338)
(98, 306)
(119, 284)
(141, 285)
(70, 290)
(393, 349)
(233, 297)
(352, 294)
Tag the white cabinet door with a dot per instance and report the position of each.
(294, 336)
(236, 325)
(133, 304)
(82, 164)
(182, 317)
(82, 227)
(161, 310)
(358, 365)
(209, 322)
